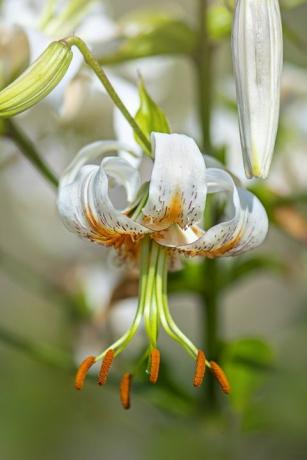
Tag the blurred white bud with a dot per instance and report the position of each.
(257, 61)
(14, 52)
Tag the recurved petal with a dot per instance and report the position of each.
(245, 228)
(123, 173)
(89, 153)
(84, 203)
(177, 190)
(257, 60)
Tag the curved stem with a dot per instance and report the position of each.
(28, 149)
(95, 66)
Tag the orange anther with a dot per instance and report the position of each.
(82, 371)
(200, 368)
(220, 376)
(105, 367)
(154, 365)
(124, 390)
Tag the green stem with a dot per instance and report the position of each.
(95, 66)
(203, 65)
(28, 149)
(204, 70)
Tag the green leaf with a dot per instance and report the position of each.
(246, 362)
(149, 116)
(149, 34)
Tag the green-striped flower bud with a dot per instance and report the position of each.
(257, 60)
(37, 81)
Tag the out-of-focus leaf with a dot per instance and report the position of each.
(267, 197)
(219, 22)
(246, 362)
(149, 34)
(149, 116)
(242, 267)
(189, 279)
(153, 33)
(292, 3)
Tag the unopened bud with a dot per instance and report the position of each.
(257, 60)
(37, 81)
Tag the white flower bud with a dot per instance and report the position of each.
(257, 61)
(14, 52)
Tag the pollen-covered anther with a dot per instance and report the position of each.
(124, 390)
(220, 376)
(154, 365)
(105, 367)
(200, 368)
(84, 367)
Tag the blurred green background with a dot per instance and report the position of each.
(46, 275)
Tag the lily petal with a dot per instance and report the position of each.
(89, 153)
(123, 174)
(244, 230)
(84, 203)
(177, 190)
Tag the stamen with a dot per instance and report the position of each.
(200, 368)
(154, 365)
(105, 367)
(220, 376)
(82, 371)
(124, 390)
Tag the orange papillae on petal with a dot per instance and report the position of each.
(200, 368)
(220, 376)
(124, 390)
(173, 214)
(126, 243)
(154, 365)
(105, 367)
(82, 371)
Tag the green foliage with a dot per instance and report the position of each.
(150, 34)
(246, 362)
(241, 267)
(153, 33)
(219, 22)
(292, 3)
(149, 116)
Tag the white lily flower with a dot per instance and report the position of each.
(257, 60)
(162, 220)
